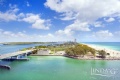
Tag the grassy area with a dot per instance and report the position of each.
(24, 49)
(54, 48)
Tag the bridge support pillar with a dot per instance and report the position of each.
(25, 55)
(17, 57)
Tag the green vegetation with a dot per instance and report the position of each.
(102, 53)
(24, 49)
(71, 49)
(56, 47)
(34, 52)
(51, 52)
(39, 47)
(52, 48)
(23, 43)
(79, 50)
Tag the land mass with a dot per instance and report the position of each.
(78, 51)
(23, 43)
(70, 49)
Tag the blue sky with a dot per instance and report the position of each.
(60, 20)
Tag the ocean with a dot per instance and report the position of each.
(13, 48)
(59, 67)
(108, 45)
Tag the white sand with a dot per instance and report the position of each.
(113, 53)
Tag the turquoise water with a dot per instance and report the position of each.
(57, 68)
(110, 45)
(12, 48)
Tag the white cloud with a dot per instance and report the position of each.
(13, 9)
(39, 24)
(21, 36)
(103, 34)
(28, 4)
(98, 24)
(66, 32)
(117, 33)
(84, 12)
(9, 15)
(36, 21)
(109, 20)
(68, 16)
(117, 36)
(31, 18)
(76, 26)
(99, 36)
(1, 30)
(8, 36)
(21, 15)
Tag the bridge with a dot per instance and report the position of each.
(19, 55)
(15, 54)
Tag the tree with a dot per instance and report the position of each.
(79, 50)
(92, 51)
(69, 51)
(102, 53)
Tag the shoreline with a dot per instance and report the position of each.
(45, 55)
(80, 58)
(113, 53)
(83, 58)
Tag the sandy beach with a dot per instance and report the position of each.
(113, 53)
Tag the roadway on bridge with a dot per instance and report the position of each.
(8, 55)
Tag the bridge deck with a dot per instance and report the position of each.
(3, 56)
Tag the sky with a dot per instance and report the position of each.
(59, 20)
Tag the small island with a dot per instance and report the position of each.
(74, 50)
(25, 43)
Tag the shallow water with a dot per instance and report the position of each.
(13, 48)
(109, 45)
(57, 68)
